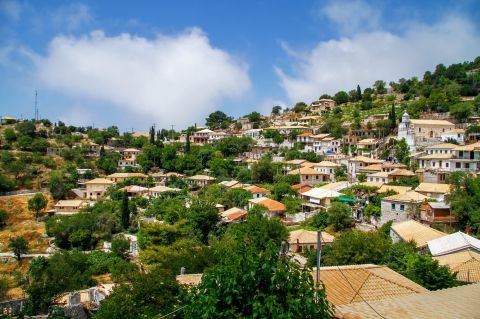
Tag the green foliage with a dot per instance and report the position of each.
(318, 221)
(18, 245)
(281, 190)
(202, 218)
(218, 120)
(356, 247)
(465, 200)
(422, 269)
(107, 161)
(150, 295)
(84, 230)
(341, 97)
(3, 218)
(25, 128)
(37, 203)
(362, 177)
(257, 284)
(120, 247)
(402, 151)
(64, 271)
(461, 111)
(125, 211)
(9, 135)
(233, 146)
(339, 216)
(299, 107)
(276, 109)
(5, 183)
(263, 171)
(170, 210)
(293, 205)
(373, 211)
(3, 288)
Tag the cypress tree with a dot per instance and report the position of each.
(359, 92)
(125, 211)
(187, 143)
(393, 117)
(152, 135)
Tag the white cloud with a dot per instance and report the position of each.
(169, 79)
(352, 16)
(365, 57)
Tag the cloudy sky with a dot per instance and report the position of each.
(136, 63)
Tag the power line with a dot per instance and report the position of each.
(351, 286)
(171, 313)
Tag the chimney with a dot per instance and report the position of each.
(182, 271)
(468, 230)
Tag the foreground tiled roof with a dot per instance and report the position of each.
(465, 263)
(433, 188)
(453, 303)
(410, 196)
(349, 284)
(308, 237)
(413, 230)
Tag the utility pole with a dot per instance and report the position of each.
(36, 106)
(319, 254)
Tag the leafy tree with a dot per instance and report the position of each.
(149, 295)
(318, 221)
(379, 86)
(235, 197)
(282, 190)
(373, 211)
(263, 171)
(299, 107)
(4, 286)
(5, 184)
(359, 92)
(339, 216)
(257, 285)
(3, 218)
(187, 143)
(232, 146)
(26, 128)
(362, 177)
(402, 151)
(10, 135)
(152, 135)
(461, 111)
(465, 200)
(357, 247)
(276, 109)
(202, 218)
(37, 203)
(217, 120)
(293, 205)
(341, 97)
(19, 246)
(254, 118)
(120, 247)
(393, 117)
(56, 185)
(125, 211)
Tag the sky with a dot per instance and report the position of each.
(138, 63)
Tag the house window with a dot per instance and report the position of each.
(402, 207)
(458, 165)
(467, 165)
(446, 164)
(393, 206)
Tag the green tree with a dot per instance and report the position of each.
(10, 135)
(217, 120)
(461, 111)
(339, 216)
(202, 218)
(26, 128)
(37, 203)
(465, 200)
(150, 295)
(3, 218)
(120, 247)
(341, 97)
(19, 246)
(299, 107)
(257, 285)
(379, 86)
(56, 185)
(276, 109)
(402, 151)
(393, 117)
(359, 92)
(282, 190)
(357, 247)
(263, 171)
(125, 211)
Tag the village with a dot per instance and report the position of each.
(377, 203)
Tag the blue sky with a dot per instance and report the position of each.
(135, 63)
